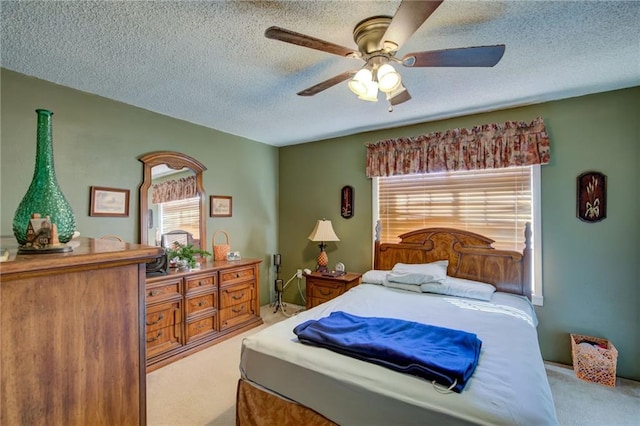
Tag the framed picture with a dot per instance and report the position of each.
(592, 197)
(109, 202)
(220, 206)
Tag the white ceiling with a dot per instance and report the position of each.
(209, 63)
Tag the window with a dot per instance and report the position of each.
(180, 214)
(495, 202)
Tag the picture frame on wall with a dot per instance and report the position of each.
(591, 197)
(109, 202)
(220, 206)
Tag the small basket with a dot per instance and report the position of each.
(220, 251)
(593, 363)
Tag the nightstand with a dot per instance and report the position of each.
(322, 288)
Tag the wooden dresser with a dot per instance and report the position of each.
(189, 311)
(72, 335)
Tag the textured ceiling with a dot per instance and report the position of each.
(209, 63)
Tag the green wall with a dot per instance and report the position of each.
(97, 142)
(591, 272)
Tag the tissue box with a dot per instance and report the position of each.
(594, 359)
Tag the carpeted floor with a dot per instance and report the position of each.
(584, 403)
(200, 390)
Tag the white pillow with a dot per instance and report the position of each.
(401, 286)
(374, 277)
(434, 272)
(409, 277)
(461, 288)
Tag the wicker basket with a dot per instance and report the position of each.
(220, 251)
(592, 362)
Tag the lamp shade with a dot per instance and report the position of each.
(372, 92)
(359, 82)
(323, 232)
(388, 78)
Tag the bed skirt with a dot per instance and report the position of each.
(255, 407)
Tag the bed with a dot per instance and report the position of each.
(286, 382)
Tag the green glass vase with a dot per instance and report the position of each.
(44, 195)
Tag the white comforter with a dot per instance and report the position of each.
(509, 385)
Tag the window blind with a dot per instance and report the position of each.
(495, 203)
(181, 214)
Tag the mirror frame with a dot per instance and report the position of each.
(176, 161)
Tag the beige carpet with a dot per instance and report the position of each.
(585, 403)
(200, 390)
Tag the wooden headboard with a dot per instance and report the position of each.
(470, 257)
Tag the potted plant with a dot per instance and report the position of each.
(185, 256)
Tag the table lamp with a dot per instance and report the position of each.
(323, 232)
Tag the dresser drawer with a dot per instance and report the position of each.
(163, 339)
(237, 274)
(163, 315)
(235, 315)
(202, 282)
(163, 290)
(201, 328)
(199, 304)
(236, 294)
(324, 290)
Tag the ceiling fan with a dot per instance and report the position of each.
(378, 39)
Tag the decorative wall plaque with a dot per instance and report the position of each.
(346, 202)
(592, 197)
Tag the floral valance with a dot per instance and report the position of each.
(489, 146)
(173, 190)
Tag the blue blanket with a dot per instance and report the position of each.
(449, 357)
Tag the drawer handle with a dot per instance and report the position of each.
(234, 297)
(200, 327)
(201, 282)
(155, 338)
(323, 293)
(160, 318)
(237, 275)
(202, 303)
(240, 309)
(155, 292)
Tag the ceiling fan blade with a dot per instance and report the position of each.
(479, 56)
(288, 36)
(327, 84)
(408, 18)
(398, 96)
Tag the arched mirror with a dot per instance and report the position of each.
(172, 200)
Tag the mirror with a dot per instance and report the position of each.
(168, 167)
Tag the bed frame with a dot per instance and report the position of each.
(471, 256)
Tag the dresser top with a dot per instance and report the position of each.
(86, 252)
(209, 266)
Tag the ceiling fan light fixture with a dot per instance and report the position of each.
(378, 39)
(359, 82)
(388, 78)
